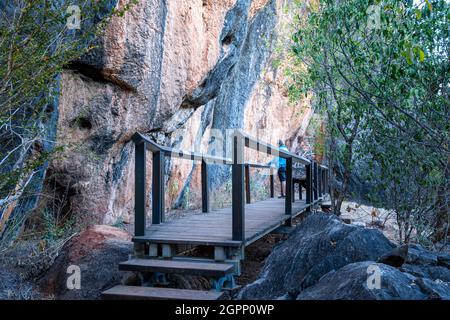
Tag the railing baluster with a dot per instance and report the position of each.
(319, 181)
(315, 180)
(289, 193)
(308, 183)
(158, 188)
(140, 209)
(238, 205)
(272, 189)
(293, 191)
(205, 187)
(247, 184)
(300, 195)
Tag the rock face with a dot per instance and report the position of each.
(327, 259)
(96, 252)
(174, 70)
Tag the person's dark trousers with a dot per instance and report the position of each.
(282, 178)
(282, 174)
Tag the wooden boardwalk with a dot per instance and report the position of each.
(215, 228)
(164, 247)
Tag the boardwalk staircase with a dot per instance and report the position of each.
(220, 275)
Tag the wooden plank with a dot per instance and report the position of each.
(216, 228)
(177, 266)
(151, 293)
(199, 242)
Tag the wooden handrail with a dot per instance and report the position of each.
(260, 146)
(316, 178)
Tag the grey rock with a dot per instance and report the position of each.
(431, 272)
(396, 257)
(444, 260)
(419, 255)
(350, 283)
(230, 103)
(320, 244)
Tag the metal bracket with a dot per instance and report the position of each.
(226, 282)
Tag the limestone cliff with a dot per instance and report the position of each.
(173, 69)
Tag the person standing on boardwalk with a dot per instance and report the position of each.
(281, 165)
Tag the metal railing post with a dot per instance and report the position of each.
(289, 193)
(205, 187)
(247, 184)
(140, 211)
(300, 194)
(158, 188)
(308, 183)
(238, 205)
(315, 180)
(319, 181)
(272, 188)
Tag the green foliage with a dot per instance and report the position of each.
(379, 72)
(37, 41)
(54, 228)
(120, 223)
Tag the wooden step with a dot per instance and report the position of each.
(208, 269)
(152, 293)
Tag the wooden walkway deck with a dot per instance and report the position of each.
(164, 247)
(215, 228)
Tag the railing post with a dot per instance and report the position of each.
(205, 187)
(308, 168)
(319, 181)
(140, 213)
(238, 205)
(315, 180)
(293, 189)
(289, 193)
(158, 188)
(272, 188)
(247, 184)
(300, 195)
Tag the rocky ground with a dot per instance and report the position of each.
(325, 258)
(322, 258)
(371, 217)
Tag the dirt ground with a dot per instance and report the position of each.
(371, 217)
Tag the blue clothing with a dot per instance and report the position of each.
(282, 161)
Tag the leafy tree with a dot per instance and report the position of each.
(379, 71)
(38, 38)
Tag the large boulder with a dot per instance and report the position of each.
(350, 283)
(320, 244)
(435, 273)
(97, 252)
(424, 263)
(418, 255)
(396, 257)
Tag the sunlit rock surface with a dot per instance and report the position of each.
(173, 70)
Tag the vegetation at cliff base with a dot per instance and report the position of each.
(37, 41)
